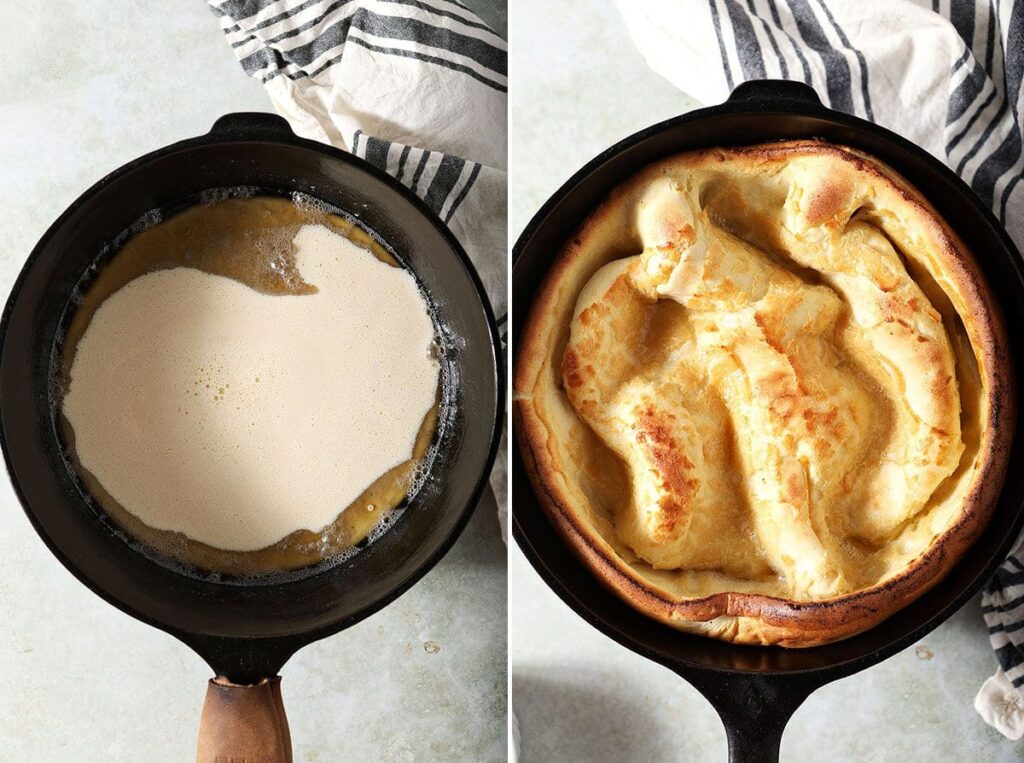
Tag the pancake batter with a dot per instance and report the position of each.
(238, 418)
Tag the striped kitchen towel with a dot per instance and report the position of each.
(945, 74)
(416, 87)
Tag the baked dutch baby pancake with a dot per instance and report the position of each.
(763, 393)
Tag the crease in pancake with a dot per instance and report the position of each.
(770, 345)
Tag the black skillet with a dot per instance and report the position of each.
(247, 632)
(757, 689)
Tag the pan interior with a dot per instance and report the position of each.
(209, 236)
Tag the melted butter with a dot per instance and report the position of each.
(249, 241)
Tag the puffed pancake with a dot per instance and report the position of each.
(763, 393)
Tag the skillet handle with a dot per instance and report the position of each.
(244, 723)
(755, 710)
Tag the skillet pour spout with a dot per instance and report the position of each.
(756, 689)
(246, 630)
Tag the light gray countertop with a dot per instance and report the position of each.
(579, 85)
(86, 88)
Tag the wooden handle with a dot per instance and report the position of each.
(244, 724)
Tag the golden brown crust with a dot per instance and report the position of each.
(749, 616)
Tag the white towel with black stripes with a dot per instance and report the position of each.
(945, 74)
(416, 87)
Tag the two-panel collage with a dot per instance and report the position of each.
(470, 381)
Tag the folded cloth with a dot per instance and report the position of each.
(416, 87)
(1001, 705)
(945, 74)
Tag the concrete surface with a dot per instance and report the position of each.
(579, 85)
(87, 87)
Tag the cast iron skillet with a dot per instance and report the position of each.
(756, 689)
(247, 632)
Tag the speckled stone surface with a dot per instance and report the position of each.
(87, 87)
(579, 85)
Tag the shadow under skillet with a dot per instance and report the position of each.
(567, 714)
(426, 676)
(917, 706)
(467, 593)
(572, 712)
(474, 574)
